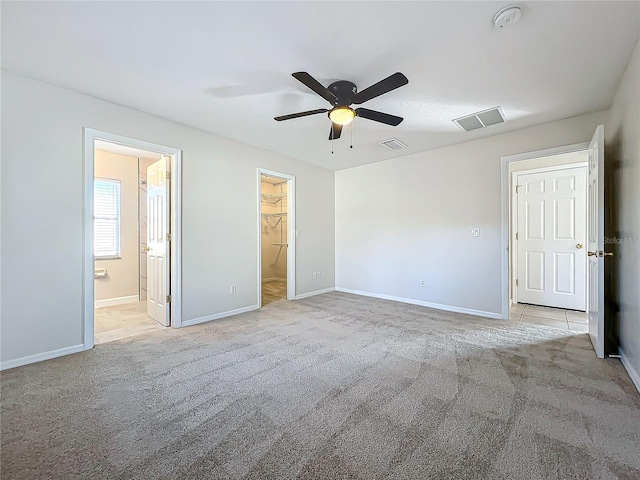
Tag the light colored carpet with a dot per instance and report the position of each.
(330, 387)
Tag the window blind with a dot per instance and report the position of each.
(106, 217)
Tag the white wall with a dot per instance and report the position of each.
(408, 219)
(122, 273)
(622, 162)
(42, 204)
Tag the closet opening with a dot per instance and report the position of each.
(276, 263)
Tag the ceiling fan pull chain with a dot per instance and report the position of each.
(332, 139)
(351, 134)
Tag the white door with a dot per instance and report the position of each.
(551, 234)
(595, 244)
(157, 242)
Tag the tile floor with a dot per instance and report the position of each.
(122, 321)
(553, 317)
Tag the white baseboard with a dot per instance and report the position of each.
(39, 357)
(633, 373)
(316, 292)
(108, 302)
(437, 306)
(274, 279)
(217, 316)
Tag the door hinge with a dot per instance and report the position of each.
(516, 235)
(168, 174)
(516, 282)
(168, 298)
(168, 237)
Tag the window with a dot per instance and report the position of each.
(106, 218)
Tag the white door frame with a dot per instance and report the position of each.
(506, 201)
(88, 287)
(514, 218)
(291, 232)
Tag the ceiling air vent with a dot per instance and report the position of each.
(481, 119)
(393, 144)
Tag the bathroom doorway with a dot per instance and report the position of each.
(121, 239)
(276, 237)
(132, 237)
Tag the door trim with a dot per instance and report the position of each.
(291, 231)
(514, 218)
(88, 288)
(506, 204)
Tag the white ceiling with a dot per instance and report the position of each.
(225, 67)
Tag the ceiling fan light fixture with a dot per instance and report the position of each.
(342, 115)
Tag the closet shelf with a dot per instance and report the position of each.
(269, 215)
(274, 195)
(281, 244)
(274, 198)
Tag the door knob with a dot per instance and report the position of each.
(579, 245)
(146, 249)
(592, 254)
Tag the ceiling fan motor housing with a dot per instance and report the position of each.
(344, 91)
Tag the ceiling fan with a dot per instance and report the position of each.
(342, 94)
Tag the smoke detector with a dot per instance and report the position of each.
(507, 16)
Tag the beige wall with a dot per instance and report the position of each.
(122, 273)
(274, 230)
(408, 219)
(622, 223)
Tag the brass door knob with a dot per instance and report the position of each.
(146, 249)
(579, 246)
(592, 254)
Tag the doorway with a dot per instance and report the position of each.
(548, 238)
(120, 241)
(549, 223)
(132, 236)
(276, 237)
(593, 154)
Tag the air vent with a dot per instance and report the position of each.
(393, 144)
(482, 119)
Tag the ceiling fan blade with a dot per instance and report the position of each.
(315, 85)
(379, 116)
(335, 131)
(300, 114)
(392, 82)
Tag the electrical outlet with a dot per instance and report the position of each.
(423, 283)
(314, 276)
(318, 275)
(232, 289)
(474, 232)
